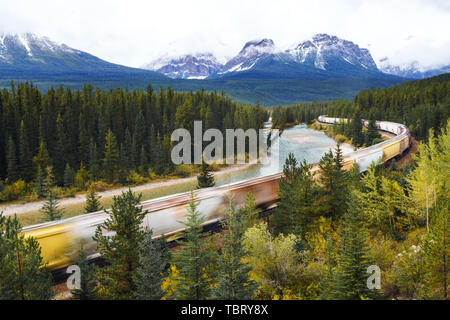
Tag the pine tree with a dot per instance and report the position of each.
(333, 185)
(94, 165)
(249, 212)
(92, 200)
(233, 280)
(87, 290)
(285, 215)
(111, 156)
(193, 260)
(40, 184)
(120, 250)
(11, 157)
(69, 175)
(22, 276)
(42, 159)
(150, 273)
(372, 133)
(350, 279)
(356, 130)
(51, 208)
(26, 165)
(205, 179)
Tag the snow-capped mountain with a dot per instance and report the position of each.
(411, 70)
(32, 56)
(190, 66)
(323, 56)
(322, 50)
(252, 52)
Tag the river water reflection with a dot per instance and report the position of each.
(305, 144)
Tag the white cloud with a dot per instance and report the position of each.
(134, 32)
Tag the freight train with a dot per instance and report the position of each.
(61, 239)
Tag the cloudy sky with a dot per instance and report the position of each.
(134, 32)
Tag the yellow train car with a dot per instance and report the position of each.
(391, 150)
(55, 241)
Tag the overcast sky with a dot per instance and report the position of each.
(134, 32)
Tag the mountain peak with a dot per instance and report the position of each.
(189, 66)
(322, 48)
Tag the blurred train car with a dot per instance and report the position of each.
(61, 239)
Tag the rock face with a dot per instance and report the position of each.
(252, 52)
(323, 50)
(191, 66)
(24, 55)
(412, 70)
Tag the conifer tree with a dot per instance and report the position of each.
(87, 290)
(205, 179)
(92, 200)
(150, 273)
(120, 250)
(26, 165)
(94, 165)
(11, 157)
(51, 208)
(371, 133)
(111, 156)
(193, 260)
(233, 280)
(22, 276)
(284, 218)
(69, 175)
(42, 159)
(356, 130)
(249, 212)
(350, 278)
(333, 184)
(40, 183)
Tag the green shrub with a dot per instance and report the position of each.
(183, 170)
(135, 178)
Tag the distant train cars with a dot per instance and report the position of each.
(61, 239)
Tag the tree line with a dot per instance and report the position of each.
(90, 135)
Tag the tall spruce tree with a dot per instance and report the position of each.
(40, 183)
(193, 260)
(121, 249)
(22, 276)
(333, 183)
(153, 264)
(249, 212)
(350, 278)
(371, 133)
(51, 209)
(69, 176)
(111, 157)
(298, 192)
(205, 179)
(92, 200)
(233, 279)
(11, 157)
